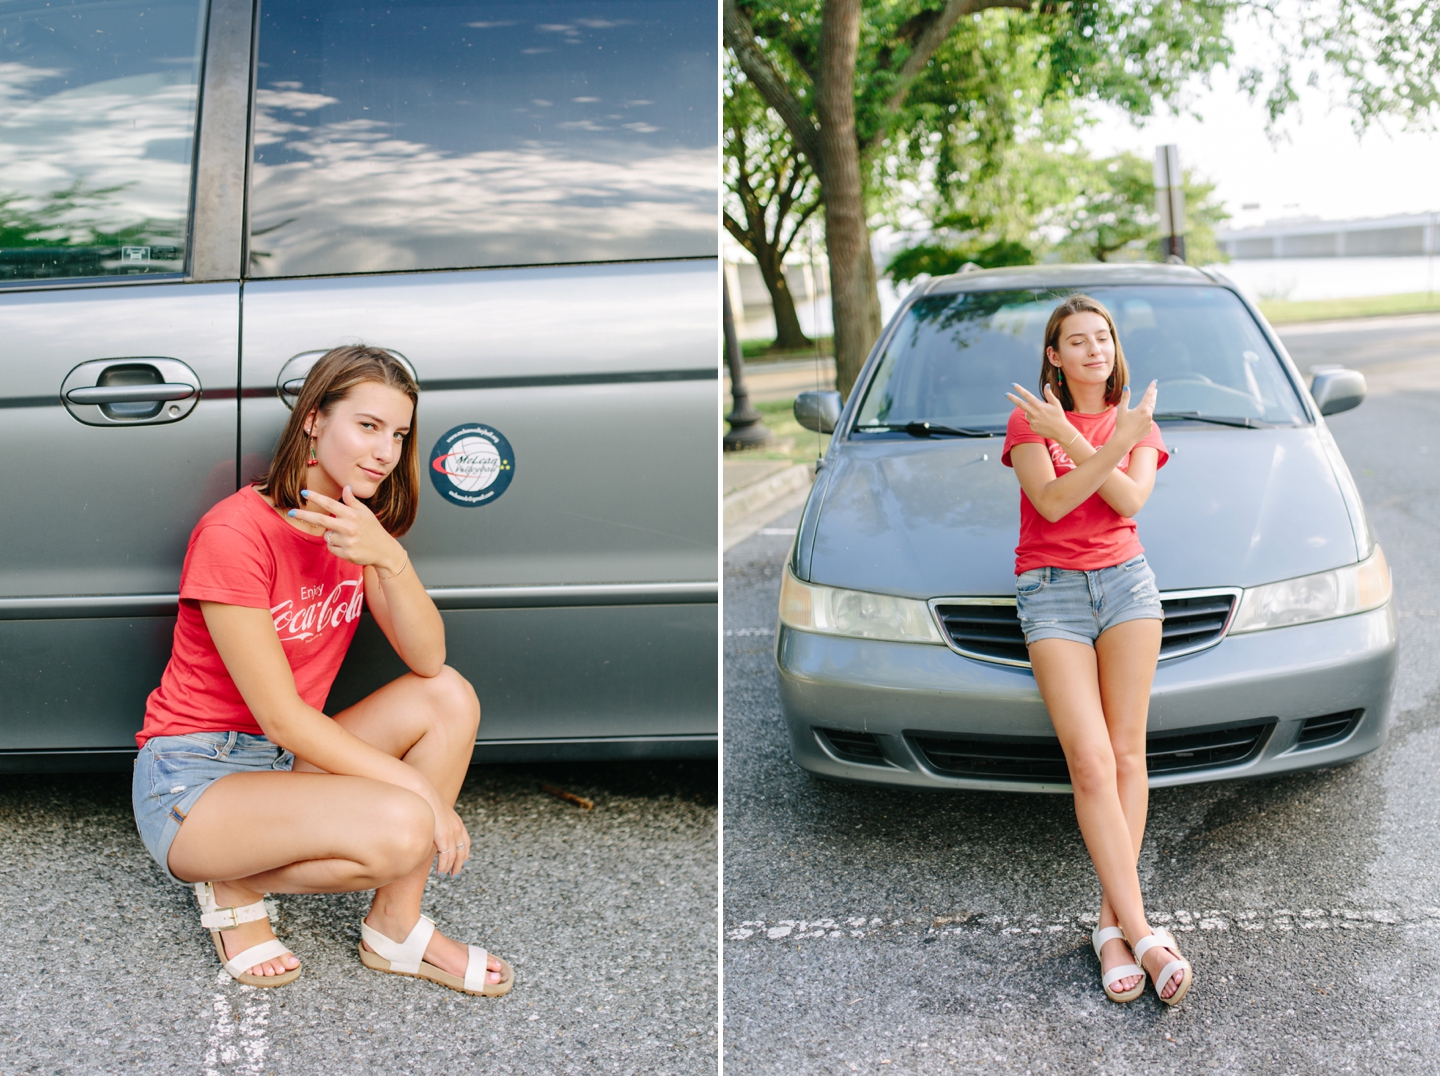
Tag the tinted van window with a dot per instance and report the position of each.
(954, 357)
(443, 135)
(97, 119)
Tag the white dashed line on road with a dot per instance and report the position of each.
(239, 1048)
(1281, 919)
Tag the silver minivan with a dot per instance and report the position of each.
(900, 655)
(199, 197)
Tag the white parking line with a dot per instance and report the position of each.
(226, 1041)
(1282, 919)
(742, 633)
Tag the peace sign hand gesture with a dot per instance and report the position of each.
(1047, 417)
(352, 532)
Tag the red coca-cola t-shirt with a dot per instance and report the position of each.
(242, 553)
(1093, 535)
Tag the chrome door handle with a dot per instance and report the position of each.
(130, 394)
(143, 390)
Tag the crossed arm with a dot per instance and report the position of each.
(1096, 470)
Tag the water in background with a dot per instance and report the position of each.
(1301, 279)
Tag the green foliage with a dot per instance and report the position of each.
(1111, 215)
(1081, 209)
(932, 259)
(994, 71)
(1385, 52)
(767, 180)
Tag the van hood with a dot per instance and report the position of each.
(930, 518)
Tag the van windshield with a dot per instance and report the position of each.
(954, 357)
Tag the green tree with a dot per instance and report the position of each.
(864, 83)
(771, 192)
(1113, 216)
(867, 88)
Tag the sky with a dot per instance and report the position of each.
(1321, 169)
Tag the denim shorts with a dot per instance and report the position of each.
(1058, 603)
(172, 772)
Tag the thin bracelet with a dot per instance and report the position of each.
(400, 572)
(1067, 448)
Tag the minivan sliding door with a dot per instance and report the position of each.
(520, 199)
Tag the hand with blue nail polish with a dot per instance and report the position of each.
(1133, 424)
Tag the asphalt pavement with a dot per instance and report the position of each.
(608, 916)
(890, 931)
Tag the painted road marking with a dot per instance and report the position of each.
(1292, 919)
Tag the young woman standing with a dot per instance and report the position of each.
(243, 786)
(1091, 613)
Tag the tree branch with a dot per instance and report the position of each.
(740, 39)
(933, 36)
(742, 236)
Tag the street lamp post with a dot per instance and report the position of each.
(746, 428)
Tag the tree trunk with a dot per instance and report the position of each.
(788, 334)
(854, 300)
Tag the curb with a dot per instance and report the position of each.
(750, 499)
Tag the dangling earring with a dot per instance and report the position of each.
(313, 460)
(1059, 376)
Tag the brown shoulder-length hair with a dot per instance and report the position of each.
(1050, 373)
(330, 380)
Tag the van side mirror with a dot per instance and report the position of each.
(818, 411)
(1337, 389)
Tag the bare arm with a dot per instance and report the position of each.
(396, 596)
(1125, 491)
(1056, 497)
(253, 656)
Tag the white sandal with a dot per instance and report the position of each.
(217, 919)
(408, 958)
(1098, 937)
(1167, 940)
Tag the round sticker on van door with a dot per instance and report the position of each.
(472, 465)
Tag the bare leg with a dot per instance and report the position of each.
(430, 722)
(253, 833)
(1126, 656)
(1067, 674)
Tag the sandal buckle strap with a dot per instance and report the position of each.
(231, 917)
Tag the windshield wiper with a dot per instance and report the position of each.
(1196, 416)
(925, 429)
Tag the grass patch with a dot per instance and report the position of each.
(1281, 311)
(792, 440)
(765, 350)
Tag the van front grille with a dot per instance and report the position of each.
(989, 629)
(1041, 759)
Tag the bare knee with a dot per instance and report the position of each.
(403, 834)
(1092, 772)
(1130, 764)
(454, 703)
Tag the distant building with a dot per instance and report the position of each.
(1311, 237)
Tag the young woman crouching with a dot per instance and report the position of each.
(243, 786)
(1091, 613)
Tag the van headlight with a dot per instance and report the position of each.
(1322, 596)
(856, 613)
